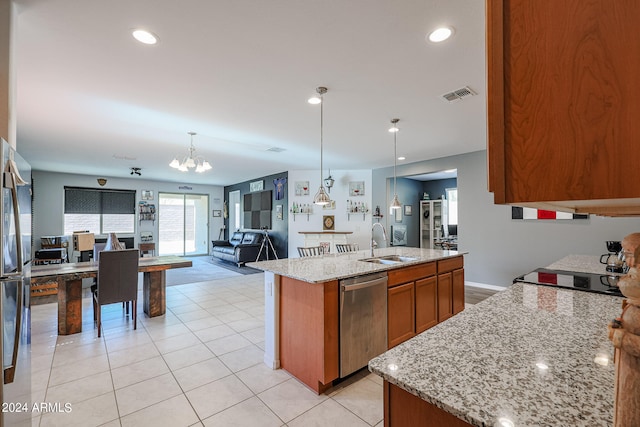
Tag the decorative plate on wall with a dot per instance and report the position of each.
(328, 222)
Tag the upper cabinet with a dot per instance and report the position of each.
(563, 104)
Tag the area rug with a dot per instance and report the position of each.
(205, 269)
(232, 267)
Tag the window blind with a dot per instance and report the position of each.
(78, 200)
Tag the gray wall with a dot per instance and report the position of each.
(279, 232)
(409, 193)
(501, 248)
(48, 201)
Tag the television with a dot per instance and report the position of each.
(452, 230)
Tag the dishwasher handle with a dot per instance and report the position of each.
(362, 285)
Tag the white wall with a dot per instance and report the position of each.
(48, 201)
(501, 248)
(360, 227)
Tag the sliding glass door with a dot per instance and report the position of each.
(183, 226)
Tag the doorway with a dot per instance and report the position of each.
(183, 226)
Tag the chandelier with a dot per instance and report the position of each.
(191, 160)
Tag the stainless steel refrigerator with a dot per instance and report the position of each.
(15, 282)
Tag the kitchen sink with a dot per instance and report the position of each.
(389, 259)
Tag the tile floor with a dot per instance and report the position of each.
(199, 365)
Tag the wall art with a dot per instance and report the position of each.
(540, 214)
(302, 188)
(256, 186)
(356, 188)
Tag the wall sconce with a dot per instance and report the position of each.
(102, 182)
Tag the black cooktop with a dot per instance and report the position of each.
(600, 283)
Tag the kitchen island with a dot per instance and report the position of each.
(528, 356)
(302, 304)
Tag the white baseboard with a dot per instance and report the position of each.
(485, 286)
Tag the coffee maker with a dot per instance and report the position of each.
(615, 258)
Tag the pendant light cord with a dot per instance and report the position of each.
(321, 135)
(395, 160)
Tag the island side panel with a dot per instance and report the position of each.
(309, 331)
(272, 320)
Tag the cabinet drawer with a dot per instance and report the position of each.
(409, 274)
(450, 264)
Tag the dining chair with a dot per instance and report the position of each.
(310, 251)
(347, 247)
(117, 282)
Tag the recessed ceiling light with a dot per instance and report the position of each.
(144, 36)
(440, 34)
(402, 158)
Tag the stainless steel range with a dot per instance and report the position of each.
(600, 283)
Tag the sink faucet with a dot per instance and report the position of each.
(373, 242)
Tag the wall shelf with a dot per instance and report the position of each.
(146, 212)
(301, 213)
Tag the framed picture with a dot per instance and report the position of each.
(399, 235)
(256, 186)
(356, 188)
(146, 236)
(328, 222)
(329, 206)
(217, 213)
(407, 210)
(302, 188)
(278, 211)
(398, 214)
(146, 195)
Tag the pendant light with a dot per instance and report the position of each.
(321, 197)
(395, 203)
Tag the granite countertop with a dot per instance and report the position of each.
(582, 264)
(485, 363)
(328, 267)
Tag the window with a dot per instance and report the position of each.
(99, 211)
(452, 205)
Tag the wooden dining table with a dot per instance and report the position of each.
(69, 279)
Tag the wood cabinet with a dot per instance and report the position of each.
(562, 88)
(421, 296)
(401, 313)
(403, 409)
(426, 291)
(450, 287)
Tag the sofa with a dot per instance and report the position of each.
(242, 247)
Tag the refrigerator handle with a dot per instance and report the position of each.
(10, 372)
(10, 179)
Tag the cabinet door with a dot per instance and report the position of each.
(400, 313)
(445, 291)
(458, 291)
(426, 303)
(557, 127)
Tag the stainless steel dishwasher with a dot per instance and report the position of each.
(363, 321)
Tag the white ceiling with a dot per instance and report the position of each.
(92, 100)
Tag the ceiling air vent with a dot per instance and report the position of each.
(458, 94)
(275, 149)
